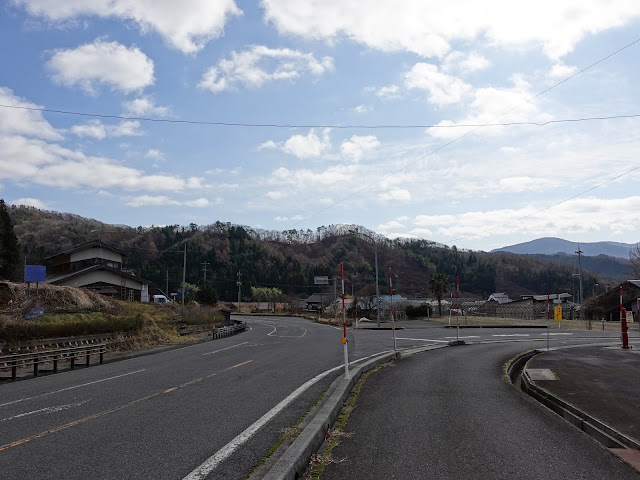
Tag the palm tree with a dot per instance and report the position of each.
(439, 285)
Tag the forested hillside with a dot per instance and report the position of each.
(289, 260)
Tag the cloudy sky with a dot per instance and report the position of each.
(478, 124)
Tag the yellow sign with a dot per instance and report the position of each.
(557, 313)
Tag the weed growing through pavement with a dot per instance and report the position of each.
(319, 462)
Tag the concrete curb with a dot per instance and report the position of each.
(295, 459)
(619, 444)
(603, 433)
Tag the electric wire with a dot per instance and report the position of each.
(461, 137)
(549, 207)
(332, 126)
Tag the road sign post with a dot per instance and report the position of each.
(344, 328)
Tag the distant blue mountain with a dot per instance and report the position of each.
(551, 246)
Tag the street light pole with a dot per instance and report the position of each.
(375, 253)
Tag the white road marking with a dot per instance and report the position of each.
(222, 349)
(556, 334)
(468, 336)
(422, 339)
(512, 335)
(58, 408)
(72, 388)
(217, 458)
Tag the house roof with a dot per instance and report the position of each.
(61, 278)
(85, 246)
(500, 297)
(319, 298)
(543, 298)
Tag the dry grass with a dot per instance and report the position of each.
(89, 313)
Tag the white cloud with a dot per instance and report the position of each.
(388, 91)
(268, 145)
(102, 63)
(490, 105)
(443, 88)
(154, 154)
(186, 25)
(362, 109)
(474, 62)
(41, 163)
(302, 179)
(96, 129)
(561, 71)
(396, 195)
(274, 195)
(198, 203)
(145, 106)
(22, 121)
(260, 65)
(574, 216)
(357, 146)
(393, 224)
(429, 27)
(295, 218)
(306, 146)
(163, 200)
(30, 202)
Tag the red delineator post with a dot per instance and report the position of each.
(623, 324)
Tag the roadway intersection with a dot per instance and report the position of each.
(210, 410)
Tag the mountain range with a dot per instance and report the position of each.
(552, 246)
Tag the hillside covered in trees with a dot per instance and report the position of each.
(289, 260)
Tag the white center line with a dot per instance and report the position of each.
(72, 388)
(468, 336)
(223, 349)
(557, 334)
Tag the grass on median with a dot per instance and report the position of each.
(319, 461)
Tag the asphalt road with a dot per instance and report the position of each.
(162, 416)
(219, 405)
(449, 414)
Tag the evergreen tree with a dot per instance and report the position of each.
(9, 247)
(439, 285)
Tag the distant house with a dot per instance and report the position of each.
(552, 298)
(500, 298)
(317, 301)
(97, 266)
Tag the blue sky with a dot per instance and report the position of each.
(318, 67)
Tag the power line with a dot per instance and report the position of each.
(457, 139)
(333, 126)
(549, 207)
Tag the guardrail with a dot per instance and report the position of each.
(39, 357)
(230, 330)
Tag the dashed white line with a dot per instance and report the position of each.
(468, 336)
(223, 349)
(58, 408)
(72, 388)
(512, 335)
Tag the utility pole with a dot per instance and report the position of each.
(184, 277)
(167, 284)
(204, 269)
(239, 283)
(580, 252)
